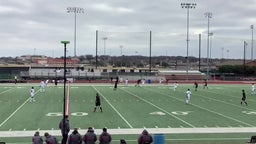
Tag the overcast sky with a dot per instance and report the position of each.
(38, 26)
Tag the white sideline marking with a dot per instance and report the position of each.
(125, 131)
(16, 111)
(114, 108)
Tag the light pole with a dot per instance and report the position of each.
(104, 40)
(121, 48)
(245, 44)
(227, 54)
(188, 6)
(64, 77)
(252, 43)
(75, 10)
(211, 35)
(208, 15)
(222, 49)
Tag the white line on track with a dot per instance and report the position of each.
(15, 111)
(114, 108)
(160, 108)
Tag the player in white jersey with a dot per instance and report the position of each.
(188, 94)
(32, 94)
(46, 82)
(121, 80)
(42, 86)
(175, 86)
(253, 89)
(126, 82)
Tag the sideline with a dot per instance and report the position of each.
(238, 130)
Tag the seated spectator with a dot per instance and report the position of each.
(75, 138)
(105, 137)
(49, 139)
(90, 137)
(37, 139)
(145, 138)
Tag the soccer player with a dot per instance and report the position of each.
(97, 103)
(196, 86)
(188, 94)
(205, 84)
(175, 86)
(116, 82)
(32, 94)
(105, 137)
(46, 82)
(243, 98)
(138, 83)
(121, 81)
(253, 89)
(15, 79)
(126, 82)
(42, 86)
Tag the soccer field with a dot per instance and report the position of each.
(213, 115)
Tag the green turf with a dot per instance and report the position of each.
(131, 107)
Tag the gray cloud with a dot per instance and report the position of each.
(40, 25)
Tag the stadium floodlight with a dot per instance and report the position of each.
(75, 10)
(64, 78)
(188, 6)
(208, 15)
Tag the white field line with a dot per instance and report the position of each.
(126, 131)
(7, 90)
(209, 110)
(160, 108)
(234, 96)
(225, 102)
(15, 111)
(113, 108)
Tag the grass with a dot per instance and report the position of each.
(128, 110)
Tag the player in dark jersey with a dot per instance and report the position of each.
(138, 83)
(97, 103)
(243, 98)
(205, 84)
(196, 86)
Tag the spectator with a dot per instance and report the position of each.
(37, 139)
(64, 127)
(145, 138)
(105, 137)
(90, 137)
(75, 138)
(49, 139)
